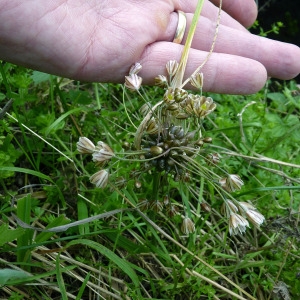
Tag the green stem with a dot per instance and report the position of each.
(178, 78)
(155, 185)
(5, 81)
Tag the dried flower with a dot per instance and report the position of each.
(206, 207)
(172, 66)
(85, 146)
(197, 80)
(145, 108)
(143, 204)
(152, 127)
(135, 69)
(255, 217)
(172, 210)
(102, 153)
(232, 206)
(237, 224)
(187, 226)
(161, 81)
(133, 82)
(100, 179)
(228, 208)
(156, 206)
(231, 183)
(120, 182)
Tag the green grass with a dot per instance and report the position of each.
(115, 251)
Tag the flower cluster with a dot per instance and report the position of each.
(171, 151)
(238, 213)
(101, 153)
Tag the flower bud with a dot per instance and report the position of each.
(100, 179)
(136, 68)
(161, 81)
(85, 146)
(172, 66)
(187, 226)
(197, 80)
(237, 224)
(231, 183)
(133, 82)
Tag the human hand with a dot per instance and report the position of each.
(99, 41)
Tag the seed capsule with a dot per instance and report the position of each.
(180, 95)
(182, 116)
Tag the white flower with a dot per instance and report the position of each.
(161, 81)
(85, 146)
(133, 82)
(197, 80)
(100, 179)
(102, 153)
(187, 226)
(231, 183)
(254, 216)
(237, 224)
(172, 66)
(136, 68)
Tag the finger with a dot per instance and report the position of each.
(280, 59)
(223, 73)
(211, 12)
(244, 11)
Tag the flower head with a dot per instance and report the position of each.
(199, 106)
(100, 179)
(85, 146)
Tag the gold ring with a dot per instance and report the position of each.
(180, 27)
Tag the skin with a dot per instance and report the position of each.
(93, 40)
